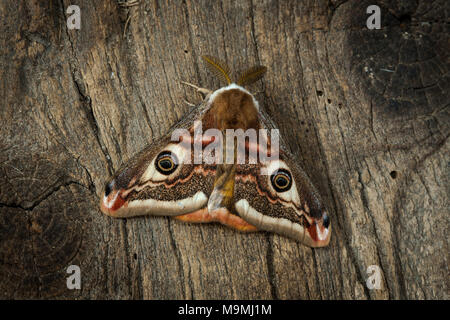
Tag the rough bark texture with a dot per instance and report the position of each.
(366, 112)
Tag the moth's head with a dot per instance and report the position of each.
(233, 107)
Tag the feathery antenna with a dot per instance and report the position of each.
(219, 68)
(251, 75)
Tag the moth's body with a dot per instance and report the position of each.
(234, 194)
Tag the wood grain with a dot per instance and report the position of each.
(366, 112)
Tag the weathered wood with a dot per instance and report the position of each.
(365, 111)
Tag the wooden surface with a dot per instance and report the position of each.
(366, 112)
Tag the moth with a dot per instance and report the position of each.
(270, 193)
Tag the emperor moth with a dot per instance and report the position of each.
(272, 194)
